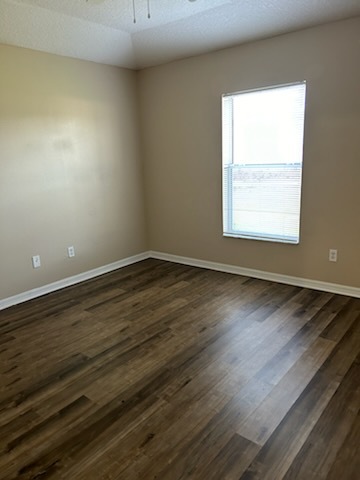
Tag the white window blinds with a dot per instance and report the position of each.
(262, 162)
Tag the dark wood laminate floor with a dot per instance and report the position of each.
(164, 371)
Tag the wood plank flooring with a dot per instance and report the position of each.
(164, 371)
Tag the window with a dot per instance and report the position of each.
(262, 162)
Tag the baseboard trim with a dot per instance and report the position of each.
(221, 267)
(67, 282)
(249, 272)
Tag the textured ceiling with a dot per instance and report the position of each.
(103, 30)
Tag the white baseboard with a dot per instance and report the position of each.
(222, 267)
(249, 272)
(67, 282)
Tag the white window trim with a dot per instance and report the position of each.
(262, 237)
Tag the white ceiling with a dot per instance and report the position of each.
(103, 30)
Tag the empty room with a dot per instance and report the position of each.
(180, 239)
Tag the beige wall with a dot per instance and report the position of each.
(181, 120)
(70, 171)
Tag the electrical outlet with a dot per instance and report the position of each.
(36, 263)
(71, 252)
(332, 255)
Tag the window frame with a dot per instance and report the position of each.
(228, 199)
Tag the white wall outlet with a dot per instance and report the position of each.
(71, 252)
(332, 255)
(36, 263)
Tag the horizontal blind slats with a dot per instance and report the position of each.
(262, 162)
